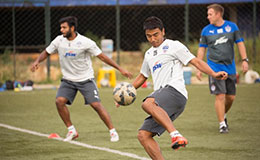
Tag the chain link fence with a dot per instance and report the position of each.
(28, 26)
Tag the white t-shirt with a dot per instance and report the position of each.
(165, 64)
(75, 56)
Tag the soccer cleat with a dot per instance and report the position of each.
(114, 137)
(178, 142)
(71, 135)
(226, 122)
(223, 129)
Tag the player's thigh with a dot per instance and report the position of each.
(170, 100)
(217, 86)
(231, 85)
(67, 90)
(89, 91)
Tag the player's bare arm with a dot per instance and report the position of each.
(203, 67)
(200, 55)
(110, 62)
(139, 80)
(242, 51)
(41, 58)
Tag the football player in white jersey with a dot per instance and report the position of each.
(164, 62)
(75, 53)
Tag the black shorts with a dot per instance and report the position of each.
(227, 86)
(171, 101)
(88, 89)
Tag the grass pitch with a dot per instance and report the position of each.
(36, 111)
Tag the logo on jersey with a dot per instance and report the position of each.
(227, 28)
(165, 48)
(221, 40)
(220, 30)
(155, 53)
(157, 65)
(70, 54)
(211, 31)
(78, 43)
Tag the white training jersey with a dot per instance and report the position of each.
(165, 64)
(75, 56)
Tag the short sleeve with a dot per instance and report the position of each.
(184, 55)
(53, 47)
(94, 49)
(145, 69)
(203, 40)
(238, 36)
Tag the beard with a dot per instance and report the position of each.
(68, 34)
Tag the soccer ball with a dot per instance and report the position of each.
(124, 93)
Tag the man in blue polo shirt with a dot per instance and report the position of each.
(219, 37)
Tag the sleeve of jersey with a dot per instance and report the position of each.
(94, 49)
(145, 69)
(184, 55)
(52, 48)
(238, 36)
(203, 40)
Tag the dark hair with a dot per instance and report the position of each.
(217, 8)
(153, 23)
(71, 20)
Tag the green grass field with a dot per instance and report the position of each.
(36, 111)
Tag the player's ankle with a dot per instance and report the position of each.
(175, 134)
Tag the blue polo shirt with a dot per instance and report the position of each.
(220, 43)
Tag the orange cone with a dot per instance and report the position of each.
(54, 135)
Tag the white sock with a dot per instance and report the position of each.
(225, 116)
(175, 134)
(112, 130)
(72, 128)
(221, 124)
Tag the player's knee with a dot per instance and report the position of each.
(60, 101)
(146, 104)
(96, 106)
(220, 97)
(141, 136)
(231, 98)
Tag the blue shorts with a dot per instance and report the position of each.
(88, 89)
(171, 101)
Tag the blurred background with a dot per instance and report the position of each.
(28, 26)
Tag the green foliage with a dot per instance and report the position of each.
(93, 37)
(144, 46)
(36, 111)
(5, 58)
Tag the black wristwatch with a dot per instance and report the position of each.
(245, 59)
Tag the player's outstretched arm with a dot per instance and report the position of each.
(41, 58)
(110, 62)
(139, 80)
(203, 67)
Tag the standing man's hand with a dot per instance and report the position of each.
(244, 66)
(199, 75)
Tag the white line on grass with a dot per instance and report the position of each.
(76, 142)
